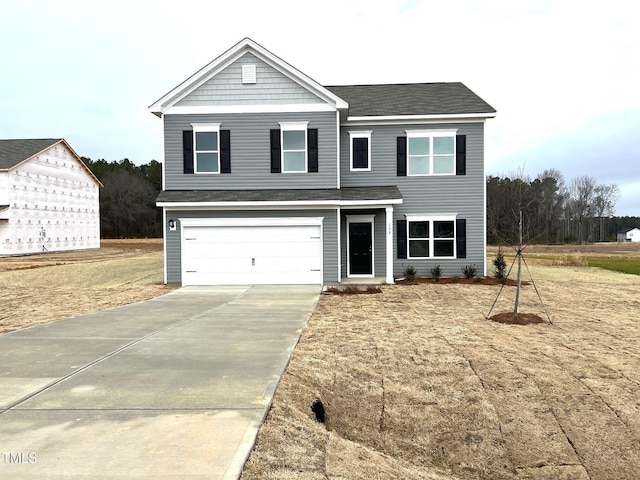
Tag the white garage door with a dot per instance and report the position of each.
(251, 254)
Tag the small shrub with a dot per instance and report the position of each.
(436, 273)
(410, 273)
(500, 272)
(455, 279)
(351, 290)
(478, 279)
(374, 289)
(469, 271)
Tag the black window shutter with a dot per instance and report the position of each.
(225, 151)
(275, 151)
(461, 237)
(461, 155)
(187, 151)
(402, 157)
(401, 236)
(360, 153)
(312, 149)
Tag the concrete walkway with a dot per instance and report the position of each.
(174, 387)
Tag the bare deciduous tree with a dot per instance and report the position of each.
(582, 192)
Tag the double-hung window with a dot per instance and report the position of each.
(294, 146)
(431, 152)
(431, 237)
(206, 143)
(360, 150)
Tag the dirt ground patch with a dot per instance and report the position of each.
(417, 384)
(37, 289)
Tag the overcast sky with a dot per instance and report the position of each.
(564, 75)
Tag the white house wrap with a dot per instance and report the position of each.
(49, 199)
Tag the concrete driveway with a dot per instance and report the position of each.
(174, 387)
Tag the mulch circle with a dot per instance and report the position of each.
(511, 318)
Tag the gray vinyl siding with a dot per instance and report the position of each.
(250, 152)
(271, 87)
(379, 240)
(329, 240)
(462, 195)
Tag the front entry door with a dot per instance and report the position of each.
(360, 251)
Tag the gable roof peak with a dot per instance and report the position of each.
(14, 152)
(229, 56)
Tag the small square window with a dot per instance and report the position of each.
(360, 149)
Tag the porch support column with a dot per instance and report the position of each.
(389, 243)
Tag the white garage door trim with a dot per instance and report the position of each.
(237, 273)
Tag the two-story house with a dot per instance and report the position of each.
(270, 177)
(49, 199)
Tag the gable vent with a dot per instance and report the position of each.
(248, 74)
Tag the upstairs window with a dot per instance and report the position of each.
(431, 152)
(360, 151)
(294, 147)
(207, 148)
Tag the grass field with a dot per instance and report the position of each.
(624, 258)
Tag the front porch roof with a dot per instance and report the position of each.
(374, 195)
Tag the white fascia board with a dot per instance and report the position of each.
(210, 70)
(403, 119)
(246, 205)
(273, 204)
(275, 108)
(371, 203)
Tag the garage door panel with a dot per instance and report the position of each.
(252, 255)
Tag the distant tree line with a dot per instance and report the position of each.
(552, 210)
(128, 198)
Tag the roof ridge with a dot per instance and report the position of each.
(404, 84)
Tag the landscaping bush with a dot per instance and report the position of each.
(469, 271)
(436, 273)
(500, 272)
(410, 273)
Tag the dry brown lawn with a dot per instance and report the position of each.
(36, 289)
(418, 385)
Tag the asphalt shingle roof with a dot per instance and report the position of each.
(282, 195)
(12, 152)
(411, 99)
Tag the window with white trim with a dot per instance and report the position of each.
(431, 152)
(206, 147)
(431, 237)
(294, 146)
(360, 151)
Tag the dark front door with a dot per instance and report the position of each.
(360, 255)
